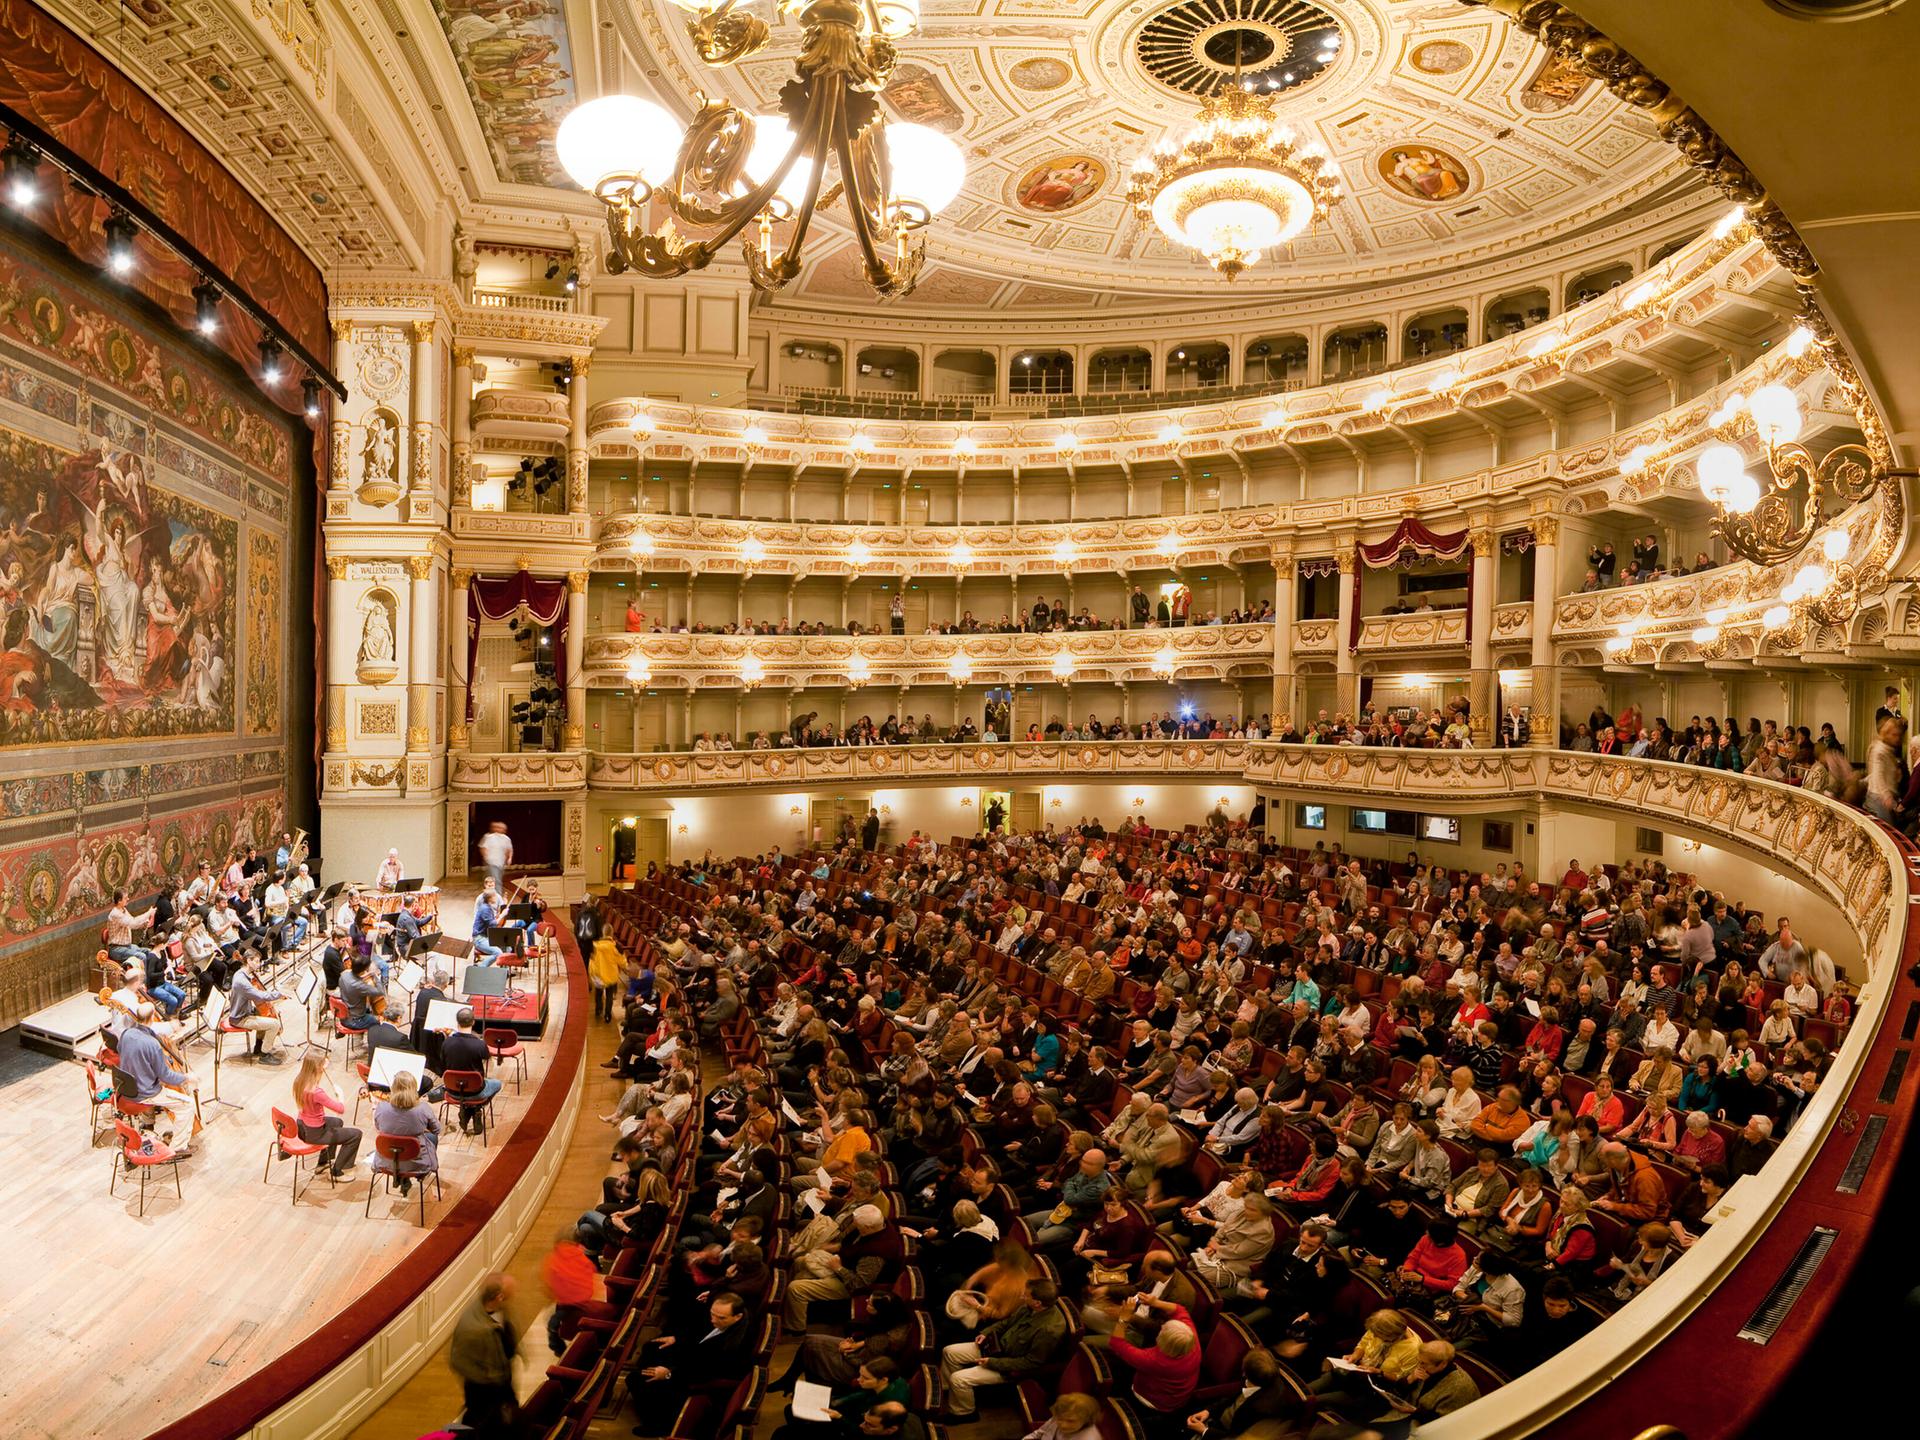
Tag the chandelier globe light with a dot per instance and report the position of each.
(1238, 184)
(727, 169)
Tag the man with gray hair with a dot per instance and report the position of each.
(867, 1254)
(1239, 1127)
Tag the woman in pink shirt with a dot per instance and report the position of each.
(319, 1115)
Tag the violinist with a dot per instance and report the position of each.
(250, 1007)
(121, 925)
(204, 957)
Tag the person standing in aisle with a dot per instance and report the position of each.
(484, 1344)
(496, 851)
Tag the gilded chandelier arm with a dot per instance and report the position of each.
(823, 107)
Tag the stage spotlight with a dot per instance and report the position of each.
(271, 365)
(206, 307)
(310, 397)
(120, 232)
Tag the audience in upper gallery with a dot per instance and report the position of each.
(1604, 570)
(1172, 611)
(1246, 1113)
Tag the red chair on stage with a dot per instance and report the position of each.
(399, 1150)
(465, 1090)
(135, 1155)
(287, 1144)
(504, 1044)
(99, 1097)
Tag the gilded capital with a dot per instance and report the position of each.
(1481, 539)
(1546, 530)
(581, 365)
(422, 331)
(577, 582)
(463, 579)
(343, 331)
(337, 566)
(462, 355)
(1348, 561)
(420, 567)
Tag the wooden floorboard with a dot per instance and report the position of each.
(115, 1324)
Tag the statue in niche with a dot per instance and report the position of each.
(382, 451)
(376, 636)
(466, 263)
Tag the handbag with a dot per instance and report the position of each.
(965, 1306)
(1109, 1275)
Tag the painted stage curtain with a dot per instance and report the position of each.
(498, 598)
(1410, 534)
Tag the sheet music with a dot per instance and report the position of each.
(304, 988)
(388, 1063)
(810, 1402)
(444, 1015)
(409, 977)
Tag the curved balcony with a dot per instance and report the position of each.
(1659, 325)
(1598, 475)
(1849, 861)
(692, 662)
(543, 773)
(520, 415)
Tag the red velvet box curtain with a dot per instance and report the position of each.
(1410, 534)
(499, 598)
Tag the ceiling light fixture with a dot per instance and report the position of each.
(728, 169)
(860, 553)
(20, 173)
(272, 366)
(310, 398)
(1238, 183)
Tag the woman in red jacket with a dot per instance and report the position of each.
(1436, 1262)
(1165, 1372)
(1317, 1176)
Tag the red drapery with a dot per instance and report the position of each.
(498, 598)
(1409, 534)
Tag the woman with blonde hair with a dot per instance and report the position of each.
(318, 1110)
(401, 1113)
(1387, 1347)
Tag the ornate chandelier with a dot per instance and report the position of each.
(1237, 184)
(728, 169)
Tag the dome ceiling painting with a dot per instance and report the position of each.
(1459, 140)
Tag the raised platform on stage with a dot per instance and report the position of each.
(524, 1013)
(62, 1030)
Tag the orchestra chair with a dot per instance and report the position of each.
(462, 1090)
(504, 1044)
(287, 1144)
(100, 1096)
(133, 1154)
(365, 1070)
(401, 1150)
(339, 1009)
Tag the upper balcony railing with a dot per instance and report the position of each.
(1106, 657)
(498, 298)
(1570, 356)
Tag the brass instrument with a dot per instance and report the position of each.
(297, 852)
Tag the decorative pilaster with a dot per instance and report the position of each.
(422, 610)
(1284, 606)
(421, 467)
(342, 645)
(1346, 680)
(1546, 675)
(576, 729)
(577, 437)
(341, 431)
(1480, 620)
(457, 736)
(461, 418)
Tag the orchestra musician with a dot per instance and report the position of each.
(224, 925)
(422, 1040)
(158, 974)
(357, 987)
(464, 1050)
(250, 1007)
(283, 852)
(392, 872)
(273, 908)
(320, 1113)
(121, 924)
(204, 957)
(144, 1074)
(383, 1034)
(333, 960)
(203, 887)
(486, 919)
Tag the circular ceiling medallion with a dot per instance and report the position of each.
(1441, 57)
(1198, 46)
(1833, 9)
(1041, 73)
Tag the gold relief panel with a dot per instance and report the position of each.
(379, 719)
(336, 777)
(418, 776)
(418, 737)
(377, 776)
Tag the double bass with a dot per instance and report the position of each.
(172, 1049)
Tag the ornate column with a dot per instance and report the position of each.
(343, 644)
(1480, 646)
(422, 610)
(1346, 682)
(1284, 606)
(1546, 675)
(341, 431)
(577, 437)
(457, 737)
(421, 473)
(462, 421)
(575, 735)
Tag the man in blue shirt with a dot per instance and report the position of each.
(486, 917)
(144, 1074)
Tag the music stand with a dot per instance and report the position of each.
(385, 1064)
(485, 982)
(216, 1011)
(304, 990)
(529, 913)
(407, 887)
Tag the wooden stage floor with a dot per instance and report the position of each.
(115, 1325)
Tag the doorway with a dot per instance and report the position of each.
(633, 842)
(996, 802)
(1026, 812)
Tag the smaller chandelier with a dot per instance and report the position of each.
(1236, 185)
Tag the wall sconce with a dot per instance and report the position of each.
(682, 830)
(752, 551)
(966, 802)
(629, 821)
(1054, 803)
(886, 809)
(793, 810)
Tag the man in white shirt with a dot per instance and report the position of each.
(1802, 999)
(496, 851)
